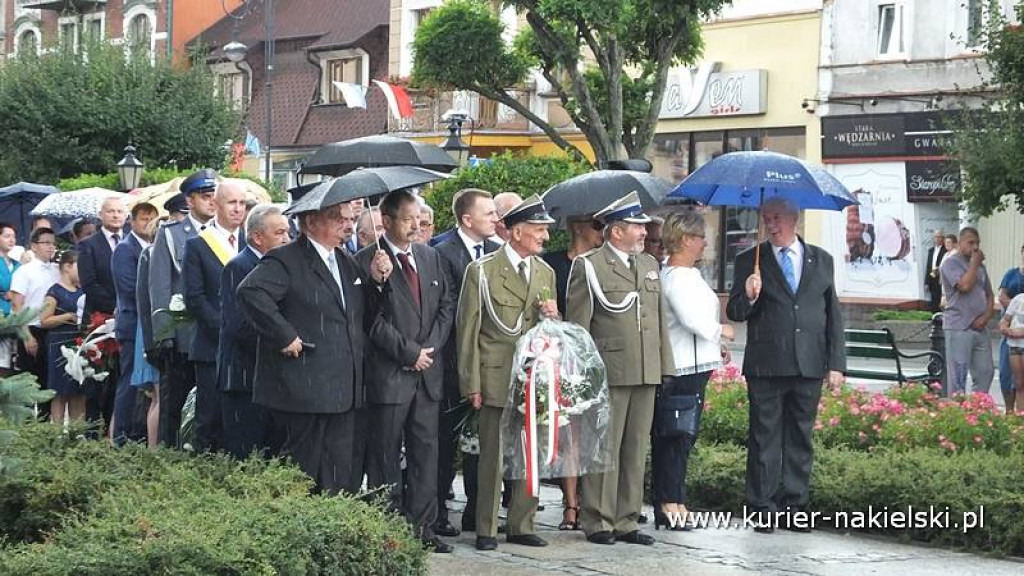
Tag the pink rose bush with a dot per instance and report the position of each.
(913, 416)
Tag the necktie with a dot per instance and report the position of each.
(332, 264)
(787, 268)
(479, 249)
(522, 272)
(231, 240)
(411, 276)
(115, 239)
(631, 262)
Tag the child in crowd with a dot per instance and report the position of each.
(60, 317)
(1012, 326)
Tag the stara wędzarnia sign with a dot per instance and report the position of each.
(705, 92)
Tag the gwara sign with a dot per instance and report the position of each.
(703, 91)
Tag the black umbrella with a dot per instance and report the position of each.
(339, 158)
(588, 193)
(363, 183)
(17, 200)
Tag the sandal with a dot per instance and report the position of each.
(568, 524)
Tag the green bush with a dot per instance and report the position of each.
(853, 480)
(902, 315)
(524, 175)
(77, 507)
(154, 176)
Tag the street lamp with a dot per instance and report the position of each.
(454, 145)
(235, 51)
(129, 169)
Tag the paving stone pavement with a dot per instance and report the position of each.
(711, 552)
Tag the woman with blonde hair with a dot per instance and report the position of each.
(696, 332)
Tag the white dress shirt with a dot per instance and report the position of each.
(796, 256)
(515, 259)
(142, 241)
(622, 255)
(224, 235)
(470, 244)
(396, 251)
(110, 238)
(197, 224)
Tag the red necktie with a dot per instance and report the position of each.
(231, 240)
(411, 276)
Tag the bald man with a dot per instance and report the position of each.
(205, 258)
(94, 259)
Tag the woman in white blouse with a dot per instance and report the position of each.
(696, 333)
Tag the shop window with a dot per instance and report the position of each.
(891, 37)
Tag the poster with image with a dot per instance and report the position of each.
(877, 238)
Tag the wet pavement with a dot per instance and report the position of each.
(709, 551)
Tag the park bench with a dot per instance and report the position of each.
(880, 344)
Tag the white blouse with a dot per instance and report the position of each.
(693, 311)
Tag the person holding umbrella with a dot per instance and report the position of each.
(794, 341)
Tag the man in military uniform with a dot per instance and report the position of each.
(615, 293)
(501, 299)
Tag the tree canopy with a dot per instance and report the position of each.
(607, 60)
(64, 113)
(989, 141)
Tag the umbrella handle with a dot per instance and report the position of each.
(373, 225)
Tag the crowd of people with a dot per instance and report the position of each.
(345, 338)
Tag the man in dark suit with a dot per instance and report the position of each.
(100, 295)
(476, 217)
(404, 383)
(794, 341)
(205, 258)
(931, 272)
(177, 376)
(307, 301)
(245, 422)
(124, 265)
(94, 259)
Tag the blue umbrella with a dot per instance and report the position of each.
(747, 179)
(17, 200)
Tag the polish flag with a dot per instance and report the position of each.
(398, 100)
(354, 94)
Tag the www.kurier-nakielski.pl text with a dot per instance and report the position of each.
(874, 518)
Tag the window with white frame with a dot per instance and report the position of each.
(140, 34)
(232, 86)
(349, 66)
(93, 28)
(28, 42)
(891, 30)
(67, 34)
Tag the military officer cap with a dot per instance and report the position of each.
(531, 211)
(176, 203)
(201, 181)
(625, 209)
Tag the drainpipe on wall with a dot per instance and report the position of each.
(170, 29)
(312, 59)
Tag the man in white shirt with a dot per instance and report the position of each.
(28, 289)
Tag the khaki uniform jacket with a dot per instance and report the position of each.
(631, 359)
(485, 351)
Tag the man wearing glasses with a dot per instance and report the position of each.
(28, 289)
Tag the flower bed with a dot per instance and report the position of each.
(913, 416)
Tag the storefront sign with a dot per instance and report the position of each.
(883, 135)
(703, 92)
(932, 181)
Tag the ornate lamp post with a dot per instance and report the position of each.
(454, 144)
(129, 169)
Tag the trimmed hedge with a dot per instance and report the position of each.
(853, 480)
(77, 507)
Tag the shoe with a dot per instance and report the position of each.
(636, 537)
(540, 507)
(673, 524)
(763, 529)
(437, 545)
(502, 528)
(527, 540)
(446, 529)
(603, 537)
(486, 543)
(574, 523)
(450, 495)
(641, 519)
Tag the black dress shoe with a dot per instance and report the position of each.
(636, 537)
(445, 528)
(486, 543)
(437, 545)
(603, 537)
(527, 540)
(641, 519)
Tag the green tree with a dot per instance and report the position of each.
(64, 114)
(989, 141)
(608, 60)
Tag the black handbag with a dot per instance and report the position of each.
(678, 416)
